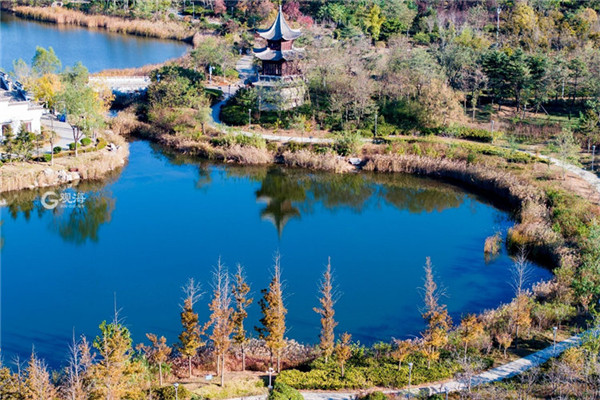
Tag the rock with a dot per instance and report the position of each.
(354, 160)
(63, 176)
(48, 171)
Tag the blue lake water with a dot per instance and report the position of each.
(97, 49)
(163, 219)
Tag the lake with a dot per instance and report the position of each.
(163, 219)
(97, 49)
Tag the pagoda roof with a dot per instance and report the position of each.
(267, 54)
(280, 30)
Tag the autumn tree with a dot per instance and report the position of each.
(343, 350)
(327, 312)
(37, 381)
(190, 339)
(220, 318)
(77, 383)
(116, 375)
(436, 315)
(240, 291)
(274, 311)
(470, 330)
(157, 353)
(402, 349)
(520, 308)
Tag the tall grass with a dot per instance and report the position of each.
(88, 166)
(58, 15)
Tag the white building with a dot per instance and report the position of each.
(16, 108)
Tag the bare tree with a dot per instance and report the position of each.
(220, 319)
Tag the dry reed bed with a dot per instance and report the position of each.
(62, 16)
(89, 166)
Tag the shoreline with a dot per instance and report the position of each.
(518, 196)
(91, 166)
(165, 30)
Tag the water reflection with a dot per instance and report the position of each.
(74, 223)
(287, 194)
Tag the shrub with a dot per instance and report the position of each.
(101, 144)
(57, 149)
(251, 141)
(422, 38)
(281, 391)
(477, 135)
(168, 393)
(47, 157)
(347, 144)
(71, 146)
(85, 141)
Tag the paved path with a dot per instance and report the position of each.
(592, 179)
(502, 372)
(123, 84)
(63, 130)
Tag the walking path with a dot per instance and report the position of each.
(592, 179)
(493, 375)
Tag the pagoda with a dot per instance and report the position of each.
(279, 57)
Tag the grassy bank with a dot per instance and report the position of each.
(88, 166)
(158, 29)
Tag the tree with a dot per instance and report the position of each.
(521, 305)
(373, 21)
(77, 384)
(240, 292)
(37, 381)
(116, 375)
(84, 107)
(402, 350)
(343, 351)
(158, 353)
(504, 339)
(274, 311)
(568, 149)
(589, 127)
(436, 315)
(220, 318)
(45, 62)
(46, 89)
(190, 338)
(327, 312)
(470, 330)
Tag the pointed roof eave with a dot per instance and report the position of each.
(280, 29)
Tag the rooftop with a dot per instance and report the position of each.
(280, 30)
(267, 54)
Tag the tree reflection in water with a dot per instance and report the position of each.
(290, 193)
(75, 223)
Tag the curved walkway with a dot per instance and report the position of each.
(502, 372)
